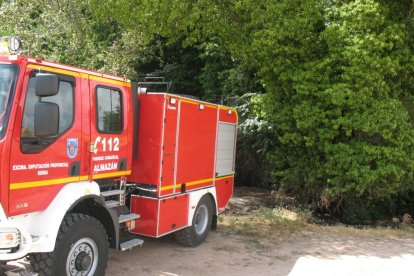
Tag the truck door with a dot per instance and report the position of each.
(41, 163)
(109, 129)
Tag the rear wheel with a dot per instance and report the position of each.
(81, 249)
(198, 231)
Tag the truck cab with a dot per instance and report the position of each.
(85, 156)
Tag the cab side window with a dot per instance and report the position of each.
(109, 110)
(29, 143)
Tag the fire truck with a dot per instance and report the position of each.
(91, 161)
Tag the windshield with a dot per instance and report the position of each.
(8, 77)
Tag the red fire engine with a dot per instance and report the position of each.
(89, 160)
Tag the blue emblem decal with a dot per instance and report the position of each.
(72, 147)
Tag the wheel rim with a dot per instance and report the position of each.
(201, 219)
(82, 258)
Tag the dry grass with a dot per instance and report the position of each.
(402, 231)
(251, 214)
(267, 223)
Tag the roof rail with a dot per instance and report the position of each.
(146, 79)
(151, 82)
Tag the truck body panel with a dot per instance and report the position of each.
(177, 143)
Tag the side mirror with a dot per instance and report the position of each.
(46, 84)
(46, 119)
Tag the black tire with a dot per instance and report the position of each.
(81, 236)
(195, 234)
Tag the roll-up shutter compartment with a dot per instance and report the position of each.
(226, 147)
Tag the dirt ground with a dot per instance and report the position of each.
(224, 254)
(311, 252)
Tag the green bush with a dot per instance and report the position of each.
(254, 140)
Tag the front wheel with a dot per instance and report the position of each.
(81, 249)
(198, 231)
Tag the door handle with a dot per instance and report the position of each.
(74, 169)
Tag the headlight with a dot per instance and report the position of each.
(9, 238)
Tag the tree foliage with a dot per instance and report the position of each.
(338, 80)
(66, 31)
